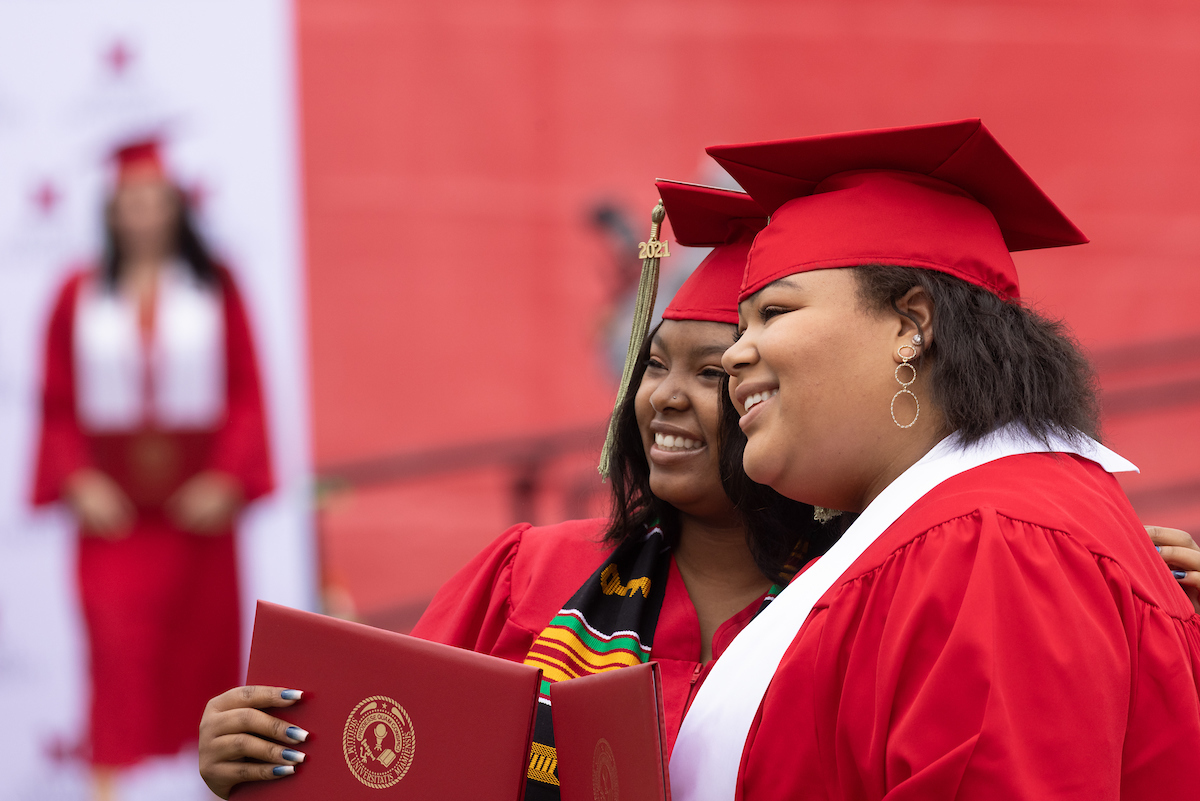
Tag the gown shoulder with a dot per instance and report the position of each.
(1012, 635)
(502, 599)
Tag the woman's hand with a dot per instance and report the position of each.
(206, 503)
(1182, 555)
(234, 729)
(102, 508)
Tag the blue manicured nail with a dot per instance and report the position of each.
(296, 733)
(1179, 574)
(283, 770)
(1158, 548)
(292, 756)
(291, 695)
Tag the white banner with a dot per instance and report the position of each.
(77, 76)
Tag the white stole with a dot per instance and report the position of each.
(176, 383)
(708, 751)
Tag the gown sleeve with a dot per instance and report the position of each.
(472, 608)
(62, 446)
(990, 687)
(978, 662)
(241, 447)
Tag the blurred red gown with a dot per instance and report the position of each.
(1013, 635)
(161, 606)
(502, 600)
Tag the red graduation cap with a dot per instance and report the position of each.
(704, 216)
(942, 197)
(138, 160)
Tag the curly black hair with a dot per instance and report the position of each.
(993, 361)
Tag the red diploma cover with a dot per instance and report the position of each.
(415, 719)
(611, 736)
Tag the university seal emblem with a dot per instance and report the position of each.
(379, 742)
(604, 773)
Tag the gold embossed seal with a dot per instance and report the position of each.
(379, 742)
(604, 773)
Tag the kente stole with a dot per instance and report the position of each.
(607, 624)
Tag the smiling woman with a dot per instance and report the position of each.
(995, 623)
(153, 433)
(668, 430)
(670, 576)
(811, 354)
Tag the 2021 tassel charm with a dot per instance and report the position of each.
(650, 252)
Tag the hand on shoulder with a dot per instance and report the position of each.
(1181, 553)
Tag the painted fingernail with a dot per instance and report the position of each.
(1158, 548)
(292, 756)
(291, 695)
(1179, 574)
(296, 733)
(283, 770)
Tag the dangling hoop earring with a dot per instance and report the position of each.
(904, 385)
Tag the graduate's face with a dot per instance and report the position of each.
(678, 415)
(816, 370)
(144, 214)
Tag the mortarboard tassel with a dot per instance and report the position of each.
(650, 252)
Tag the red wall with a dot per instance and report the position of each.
(452, 149)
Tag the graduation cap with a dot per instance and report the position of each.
(943, 197)
(139, 159)
(726, 221)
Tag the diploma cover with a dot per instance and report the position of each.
(415, 719)
(611, 736)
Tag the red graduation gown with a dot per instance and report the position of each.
(502, 600)
(1013, 635)
(161, 606)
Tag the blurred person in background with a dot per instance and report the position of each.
(153, 434)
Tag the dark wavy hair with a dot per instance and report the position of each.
(781, 533)
(992, 361)
(189, 245)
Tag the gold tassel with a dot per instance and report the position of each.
(650, 252)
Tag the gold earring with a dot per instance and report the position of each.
(904, 385)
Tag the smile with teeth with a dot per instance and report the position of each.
(671, 443)
(759, 397)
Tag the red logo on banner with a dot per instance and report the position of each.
(46, 197)
(118, 57)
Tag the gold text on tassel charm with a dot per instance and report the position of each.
(655, 248)
(649, 252)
